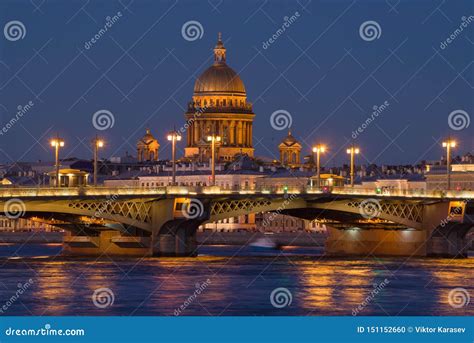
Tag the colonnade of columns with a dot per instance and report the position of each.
(233, 132)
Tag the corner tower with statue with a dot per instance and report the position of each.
(219, 107)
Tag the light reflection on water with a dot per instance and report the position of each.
(239, 285)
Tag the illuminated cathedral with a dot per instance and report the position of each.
(219, 107)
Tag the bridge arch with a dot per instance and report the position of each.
(405, 213)
(130, 212)
(227, 208)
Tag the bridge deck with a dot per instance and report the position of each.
(175, 191)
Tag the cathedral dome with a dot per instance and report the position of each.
(219, 78)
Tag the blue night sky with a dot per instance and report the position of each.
(320, 70)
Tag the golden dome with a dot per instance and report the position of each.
(219, 78)
(147, 138)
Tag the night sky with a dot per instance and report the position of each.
(320, 70)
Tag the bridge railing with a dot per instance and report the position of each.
(18, 192)
(77, 191)
(410, 193)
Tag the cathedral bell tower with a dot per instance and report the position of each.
(147, 148)
(290, 151)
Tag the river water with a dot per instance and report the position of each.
(225, 280)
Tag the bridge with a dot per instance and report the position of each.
(163, 221)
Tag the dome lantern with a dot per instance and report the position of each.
(219, 51)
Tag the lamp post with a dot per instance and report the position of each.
(174, 137)
(448, 144)
(213, 139)
(57, 143)
(352, 151)
(318, 149)
(97, 143)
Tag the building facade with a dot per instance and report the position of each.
(414, 183)
(462, 177)
(238, 180)
(22, 224)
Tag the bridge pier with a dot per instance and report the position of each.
(375, 242)
(175, 245)
(177, 238)
(447, 227)
(449, 240)
(108, 242)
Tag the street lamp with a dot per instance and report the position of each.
(352, 151)
(57, 143)
(448, 145)
(318, 149)
(213, 139)
(97, 143)
(174, 137)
